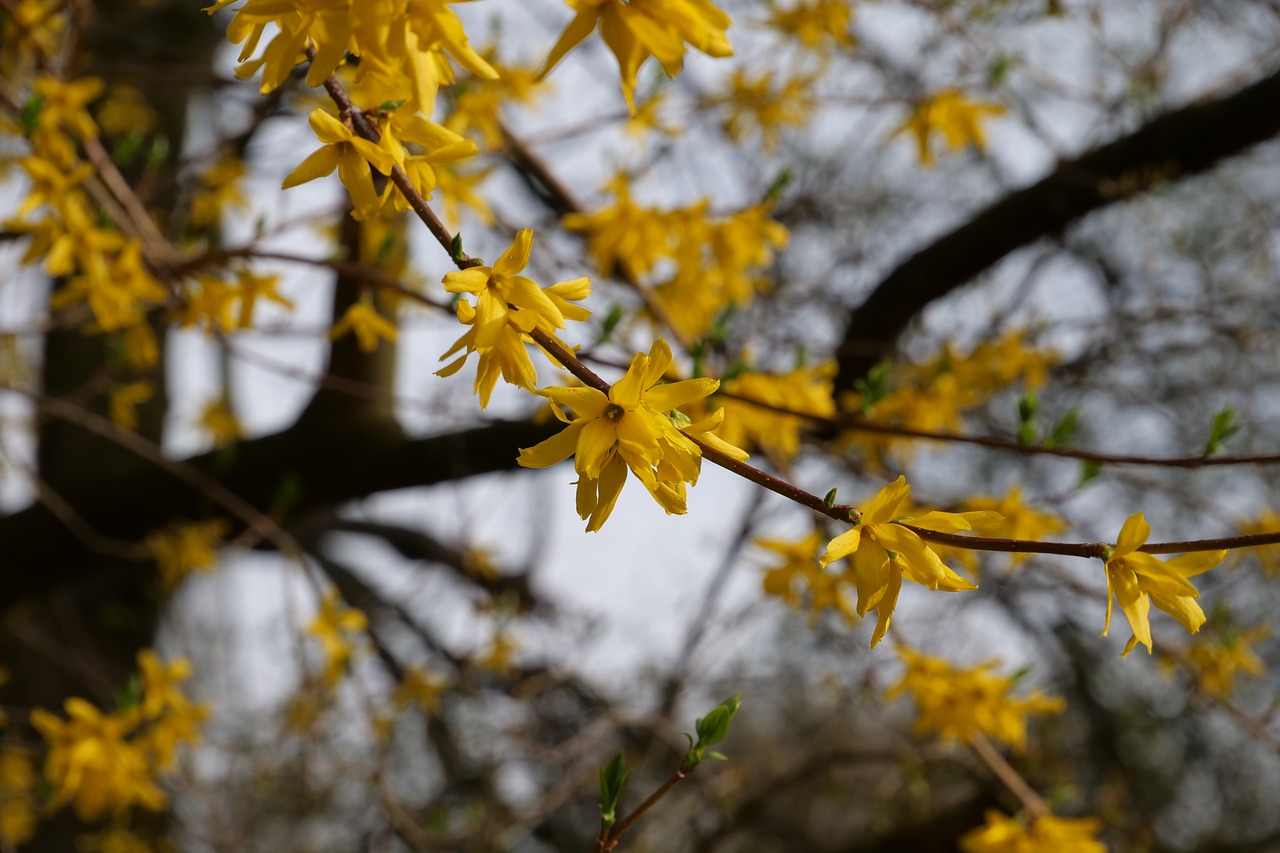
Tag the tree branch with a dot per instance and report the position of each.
(1171, 147)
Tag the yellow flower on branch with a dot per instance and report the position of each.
(508, 307)
(351, 155)
(884, 552)
(181, 549)
(1216, 663)
(949, 114)
(1136, 580)
(636, 425)
(420, 687)
(1047, 834)
(363, 320)
(92, 765)
(960, 704)
(801, 582)
(123, 401)
(334, 627)
(816, 24)
(638, 29)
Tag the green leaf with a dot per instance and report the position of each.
(779, 184)
(158, 154)
(874, 387)
(613, 777)
(129, 696)
(611, 321)
(1064, 429)
(30, 115)
(455, 247)
(830, 500)
(385, 248)
(711, 729)
(1028, 408)
(1222, 428)
(125, 151)
(1089, 469)
(391, 106)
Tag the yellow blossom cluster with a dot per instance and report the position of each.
(958, 704)
(1136, 580)
(702, 263)
(805, 390)
(802, 582)
(884, 551)
(934, 396)
(636, 426)
(638, 29)
(19, 793)
(1216, 661)
(508, 307)
(1045, 834)
(1017, 521)
(817, 25)
(1267, 556)
(953, 117)
(183, 548)
(764, 103)
(336, 627)
(102, 763)
(407, 40)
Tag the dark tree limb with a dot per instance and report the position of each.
(1171, 147)
(289, 472)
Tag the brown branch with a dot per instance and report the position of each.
(856, 423)
(840, 512)
(1032, 803)
(1175, 145)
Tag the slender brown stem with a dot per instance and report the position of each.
(857, 423)
(614, 836)
(1032, 803)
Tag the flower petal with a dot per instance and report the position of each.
(557, 448)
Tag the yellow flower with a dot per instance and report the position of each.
(123, 401)
(90, 763)
(500, 657)
(508, 306)
(884, 552)
(366, 323)
(1267, 556)
(64, 115)
(806, 389)
(220, 422)
(630, 427)
(950, 114)
(421, 688)
(1018, 521)
(816, 24)
(959, 704)
(19, 808)
(1136, 580)
(1048, 834)
(333, 627)
(623, 234)
(217, 190)
(1217, 663)
(125, 112)
(181, 549)
(636, 30)
(801, 582)
(758, 101)
(174, 719)
(351, 155)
